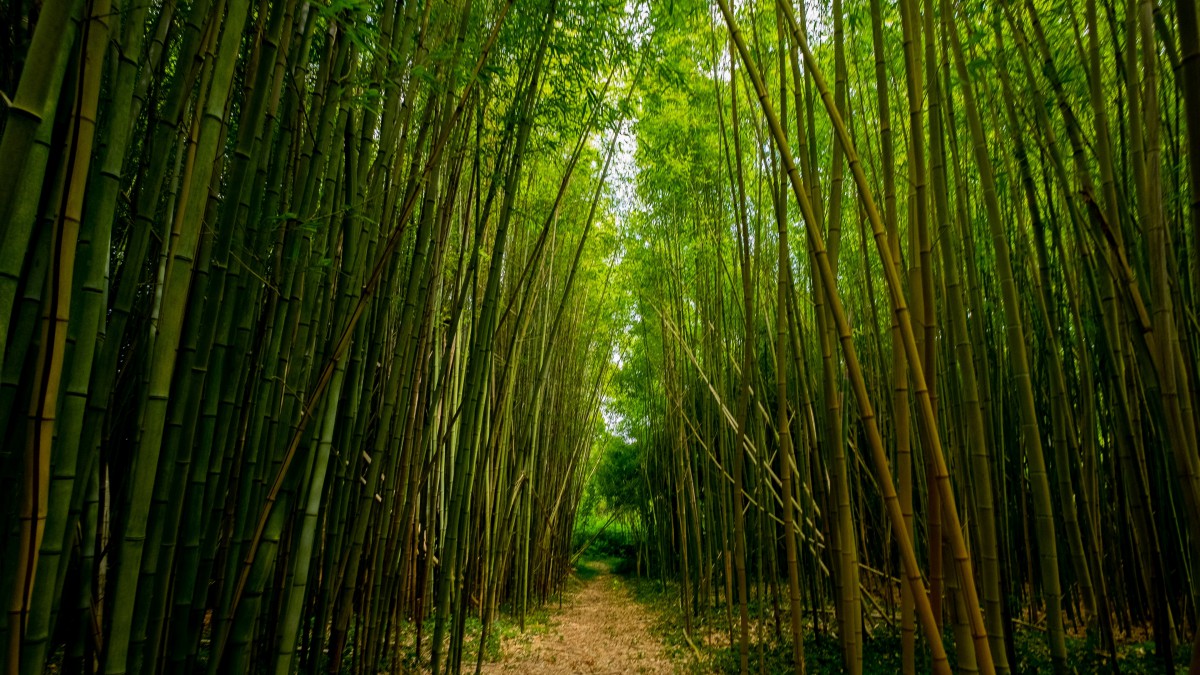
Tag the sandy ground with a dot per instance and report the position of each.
(600, 629)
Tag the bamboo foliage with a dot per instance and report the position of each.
(246, 243)
(1030, 310)
(320, 317)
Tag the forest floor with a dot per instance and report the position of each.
(600, 628)
(609, 622)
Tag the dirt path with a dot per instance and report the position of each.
(600, 629)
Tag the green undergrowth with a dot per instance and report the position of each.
(614, 541)
(505, 626)
(590, 566)
(708, 649)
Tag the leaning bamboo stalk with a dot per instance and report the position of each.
(170, 325)
(737, 186)
(68, 479)
(816, 244)
(783, 420)
(927, 416)
(977, 438)
(479, 361)
(369, 289)
(56, 315)
(1016, 342)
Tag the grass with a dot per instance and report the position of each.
(590, 567)
(505, 626)
(881, 649)
(709, 649)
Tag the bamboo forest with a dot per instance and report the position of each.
(599, 336)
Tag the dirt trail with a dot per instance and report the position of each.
(600, 629)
